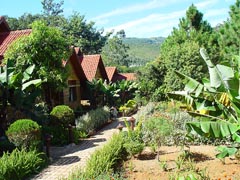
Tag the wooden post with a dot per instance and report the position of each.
(70, 134)
(48, 144)
(120, 127)
(132, 121)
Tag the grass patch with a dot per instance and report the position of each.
(103, 161)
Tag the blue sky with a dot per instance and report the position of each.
(139, 18)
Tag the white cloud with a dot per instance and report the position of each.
(215, 22)
(216, 12)
(160, 24)
(206, 3)
(153, 4)
(152, 24)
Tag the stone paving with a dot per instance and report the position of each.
(66, 159)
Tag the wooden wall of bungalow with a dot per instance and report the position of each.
(72, 94)
(76, 84)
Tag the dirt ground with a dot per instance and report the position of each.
(147, 167)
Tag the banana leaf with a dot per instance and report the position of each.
(215, 80)
(225, 151)
(35, 82)
(192, 85)
(215, 129)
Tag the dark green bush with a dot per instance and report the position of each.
(62, 114)
(24, 133)
(59, 134)
(133, 147)
(20, 164)
(5, 146)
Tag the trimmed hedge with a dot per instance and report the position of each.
(24, 133)
(62, 115)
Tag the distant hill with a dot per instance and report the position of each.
(143, 50)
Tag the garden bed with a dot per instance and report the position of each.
(147, 166)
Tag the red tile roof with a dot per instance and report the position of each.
(6, 38)
(114, 76)
(110, 72)
(129, 76)
(90, 65)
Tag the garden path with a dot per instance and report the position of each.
(68, 158)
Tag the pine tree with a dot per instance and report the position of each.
(229, 40)
(180, 51)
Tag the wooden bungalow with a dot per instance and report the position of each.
(93, 69)
(72, 95)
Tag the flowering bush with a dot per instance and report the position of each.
(93, 119)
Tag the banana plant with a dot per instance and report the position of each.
(17, 88)
(216, 100)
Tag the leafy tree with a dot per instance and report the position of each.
(112, 94)
(180, 51)
(23, 22)
(96, 92)
(52, 13)
(84, 35)
(150, 79)
(45, 48)
(52, 9)
(184, 57)
(115, 52)
(229, 40)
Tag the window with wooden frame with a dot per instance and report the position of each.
(72, 84)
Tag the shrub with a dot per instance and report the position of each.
(128, 107)
(146, 111)
(59, 134)
(156, 130)
(62, 114)
(133, 147)
(133, 142)
(93, 119)
(5, 145)
(20, 164)
(24, 133)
